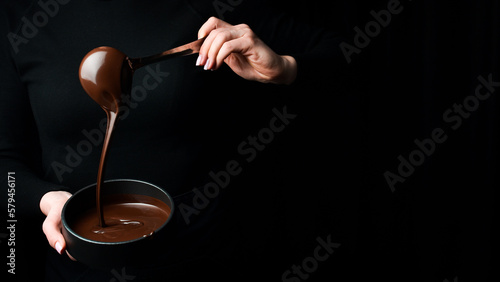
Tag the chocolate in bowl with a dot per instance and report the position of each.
(129, 202)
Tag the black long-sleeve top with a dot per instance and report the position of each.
(180, 124)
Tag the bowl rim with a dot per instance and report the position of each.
(73, 233)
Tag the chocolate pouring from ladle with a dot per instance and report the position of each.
(106, 74)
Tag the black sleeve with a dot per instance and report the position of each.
(19, 144)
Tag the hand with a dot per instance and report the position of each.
(243, 52)
(51, 205)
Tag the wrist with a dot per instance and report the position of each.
(289, 71)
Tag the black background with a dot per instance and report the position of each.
(437, 225)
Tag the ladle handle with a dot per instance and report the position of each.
(186, 49)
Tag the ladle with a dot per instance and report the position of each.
(106, 73)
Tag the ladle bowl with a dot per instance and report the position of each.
(101, 76)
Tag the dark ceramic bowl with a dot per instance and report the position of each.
(109, 254)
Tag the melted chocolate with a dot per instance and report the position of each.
(106, 74)
(104, 77)
(100, 76)
(123, 217)
(128, 217)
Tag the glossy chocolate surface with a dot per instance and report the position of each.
(127, 217)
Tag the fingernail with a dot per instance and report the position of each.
(58, 247)
(198, 61)
(207, 64)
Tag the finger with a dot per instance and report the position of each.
(221, 37)
(240, 45)
(218, 40)
(70, 256)
(209, 30)
(52, 229)
(211, 24)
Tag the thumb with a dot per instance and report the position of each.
(52, 229)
